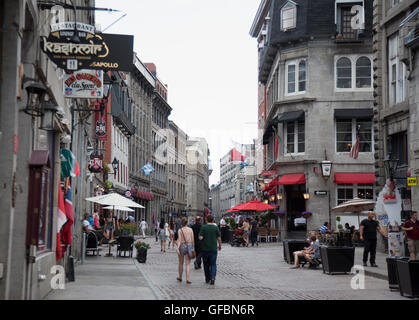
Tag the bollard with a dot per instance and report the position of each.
(83, 248)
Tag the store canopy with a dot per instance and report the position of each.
(294, 178)
(292, 116)
(354, 113)
(255, 206)
(271, 184)
(354, 177)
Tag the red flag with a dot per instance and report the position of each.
(276, 146)
(236, 156)
(70, 218)
(61, 220)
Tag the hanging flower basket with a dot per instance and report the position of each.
(279, 212)
(307, 213)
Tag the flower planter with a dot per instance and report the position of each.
(408, 274)
(141, 255)
(393, 276)
(337, 259)
(290, 246)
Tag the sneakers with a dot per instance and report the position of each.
(295, 267)
(365, 264)
(212, 282)
(374, 265)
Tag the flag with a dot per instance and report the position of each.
(147, 169)
(355, 148)
(244, 163)
(236, 156)
(61, 220)
(68, 204)
(277, 139)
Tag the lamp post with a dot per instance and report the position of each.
(326, 167)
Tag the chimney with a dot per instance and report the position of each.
(151, 67)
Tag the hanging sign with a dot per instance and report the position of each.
(83, 84)
(412, 181)
(92, 51)
(96, 163)
(100, 123)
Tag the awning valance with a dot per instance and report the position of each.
(292, 116)
(294, 178)
(354, 177)
(354, 114)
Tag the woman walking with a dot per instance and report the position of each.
(246, 227)
(164, 234)
(171, 233)
(184, 243)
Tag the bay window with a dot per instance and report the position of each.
(296, 76)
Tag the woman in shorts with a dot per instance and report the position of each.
(163, 234)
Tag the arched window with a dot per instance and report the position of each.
(363, 72)
(344, 73)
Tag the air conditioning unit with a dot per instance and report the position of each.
(403, 51)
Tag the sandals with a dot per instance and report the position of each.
(189, 282)
(179, 279)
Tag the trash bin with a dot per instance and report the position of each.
(393, 277)
(408, 274)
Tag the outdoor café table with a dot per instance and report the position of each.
(110, 244)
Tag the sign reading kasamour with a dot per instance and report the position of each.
(93, 51)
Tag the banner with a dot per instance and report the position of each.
(83, 84)
(100, 122)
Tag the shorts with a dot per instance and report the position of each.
(413, 246)
(245, 231)
(162, 236)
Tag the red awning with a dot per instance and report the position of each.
(294, 178)
(272, 192)
(354, 177)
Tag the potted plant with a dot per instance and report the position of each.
(142, 248)
(127, 229)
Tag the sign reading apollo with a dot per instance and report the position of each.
(92, 51)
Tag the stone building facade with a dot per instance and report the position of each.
(316, 63)
(396, 92)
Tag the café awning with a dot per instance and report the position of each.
(294, 178)
(354, 177)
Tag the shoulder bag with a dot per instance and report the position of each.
(187, 248)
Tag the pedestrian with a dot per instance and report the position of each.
(178, 225)
(411, 227)
(209, 235)
(368, 233)
(254, 231)
(163, 234)
(156, 229)
(196, 228)
(143, 226)
(110, 227)
(185, 243)
(246, 228)
(223, 225)
(171, 233)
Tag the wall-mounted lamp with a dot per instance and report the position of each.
(49, 110)
(326, 167)
(279, 196)
(306, 195)
(115, 165)
(36, 92)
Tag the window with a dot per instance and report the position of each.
(295, 137)
(398, 143)
(347, 192)
(273, 89)
(395, 2)
(288, 16)
(346, 133)
(397, 72)
(296, 74)
(348, 23)
(353, 73)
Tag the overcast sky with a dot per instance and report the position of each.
(204, 53)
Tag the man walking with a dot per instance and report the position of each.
(223, 225)
(143, 226)
(368, 233)
(209, 235)
(411, 227)
(254, 231)
(156, 229)
(196, 229)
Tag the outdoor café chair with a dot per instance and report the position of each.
(125, 243)
(92, 244)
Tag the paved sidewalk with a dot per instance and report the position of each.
(106, 278)
(380, 260)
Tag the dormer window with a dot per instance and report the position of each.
(289, 16)
(349, 18)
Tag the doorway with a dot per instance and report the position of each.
(295, 206)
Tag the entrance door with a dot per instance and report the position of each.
(295, 206)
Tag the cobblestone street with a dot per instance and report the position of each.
(254, 273)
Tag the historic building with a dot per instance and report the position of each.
(396, 92)
(315, 60)
(176, 156)
(198, 170)
(215, 202)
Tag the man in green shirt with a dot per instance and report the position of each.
(209, 236)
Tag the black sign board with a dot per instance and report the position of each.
(94, 51)
(96, 163)
(321, 193)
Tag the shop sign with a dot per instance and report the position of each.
(128, 194)
(96, 163)
(94, 50)
(83, 84)
(100, 123)
(321, 193)
(412, 181)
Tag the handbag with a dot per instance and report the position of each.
(187, 248)
(166, 231)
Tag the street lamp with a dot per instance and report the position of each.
(391, 165)
(36, 92)
(49, 110)
(326, 167)
(115, 165)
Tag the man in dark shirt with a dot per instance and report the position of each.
(254, 231)
(210, 235)
(411, 227)
(196, 229)
(368, 233)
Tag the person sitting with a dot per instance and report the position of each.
(325, 228)
(87, 227)
(347, 227)
(306, 252)
(314, 257)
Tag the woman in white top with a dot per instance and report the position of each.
(164, 234)
(185, 238)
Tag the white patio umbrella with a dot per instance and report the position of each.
(355, 205)
(114, 199)
(119, 208)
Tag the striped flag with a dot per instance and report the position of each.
(61, 220)
(355, 148)
(70, 217)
